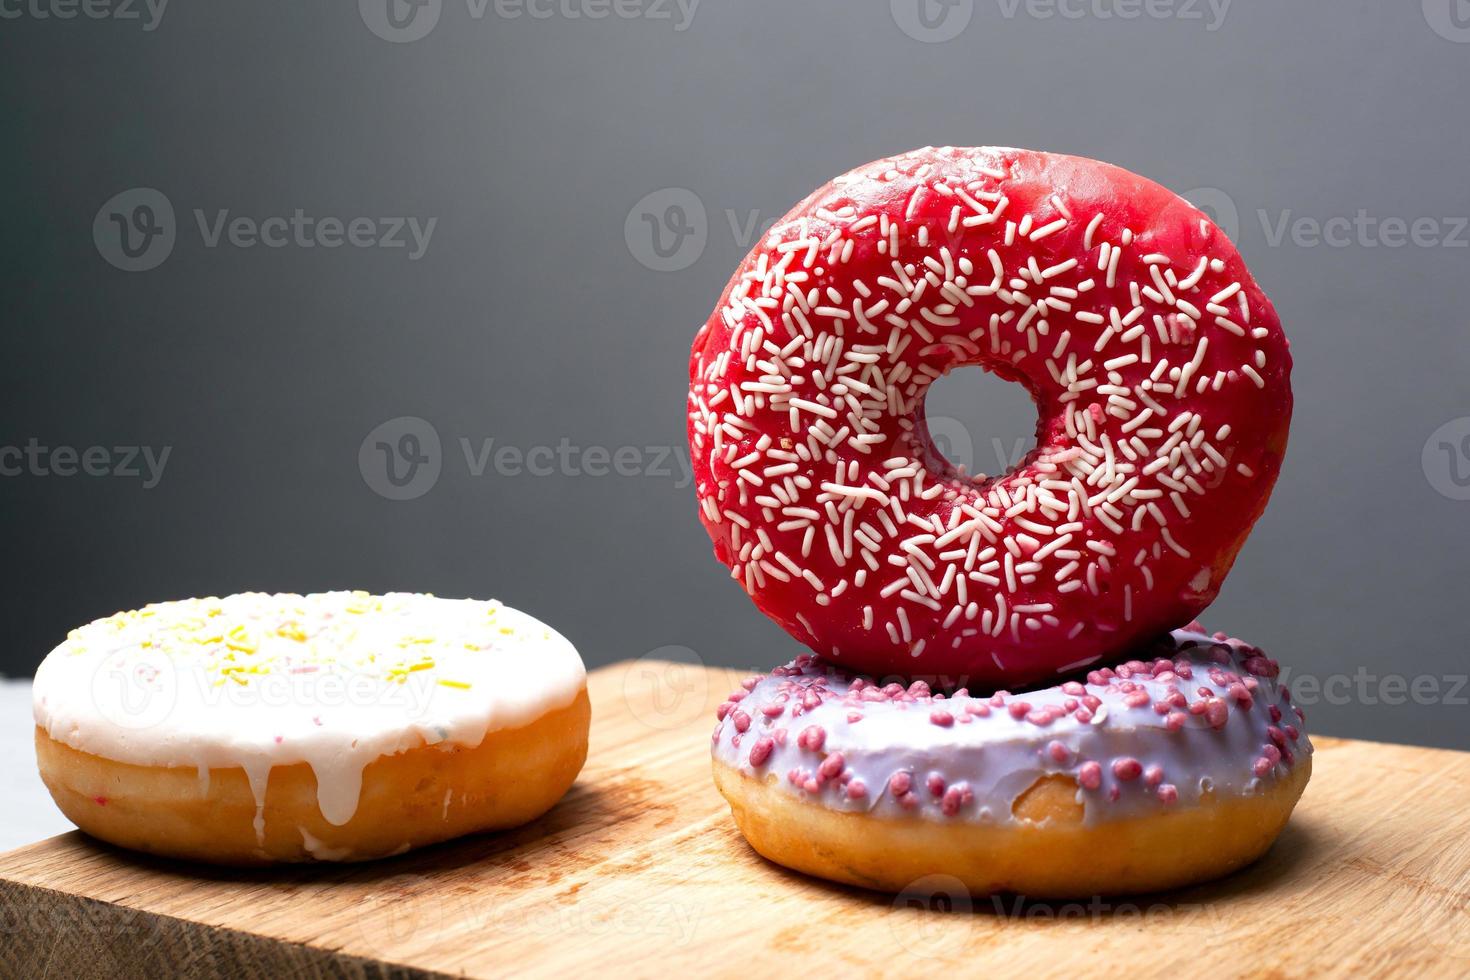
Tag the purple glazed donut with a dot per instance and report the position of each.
(1105, 783)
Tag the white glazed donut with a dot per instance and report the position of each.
(336, 726)
(1151, 774)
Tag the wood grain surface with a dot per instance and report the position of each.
(640, 872)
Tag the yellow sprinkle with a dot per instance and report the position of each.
(291, 631)
(459, 684)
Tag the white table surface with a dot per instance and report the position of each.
(28, 814)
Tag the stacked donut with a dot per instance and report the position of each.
(1003, 686)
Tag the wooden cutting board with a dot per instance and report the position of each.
(640, 872)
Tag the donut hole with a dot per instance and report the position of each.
(1051, 798)
(970, 420)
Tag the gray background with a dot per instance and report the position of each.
(531, 319)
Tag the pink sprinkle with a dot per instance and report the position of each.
(831, 766)
(1175, 721)
(900, 783)
(812, 738)
(1089, 775)
(853, 717)
(935, 782)
(1153, 775)
(742, 721)
(773, 710)
(723, 710)
(279, 739)
(1059, 753)
(812, 786)
(761, 751)
(1018, 709)
(1216, 713)
(941, 718)
(954, 799)
(1168, 793)
(1263, 766)
(1127, 768)
(856, 790)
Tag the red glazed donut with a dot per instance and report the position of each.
(1158, 367)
